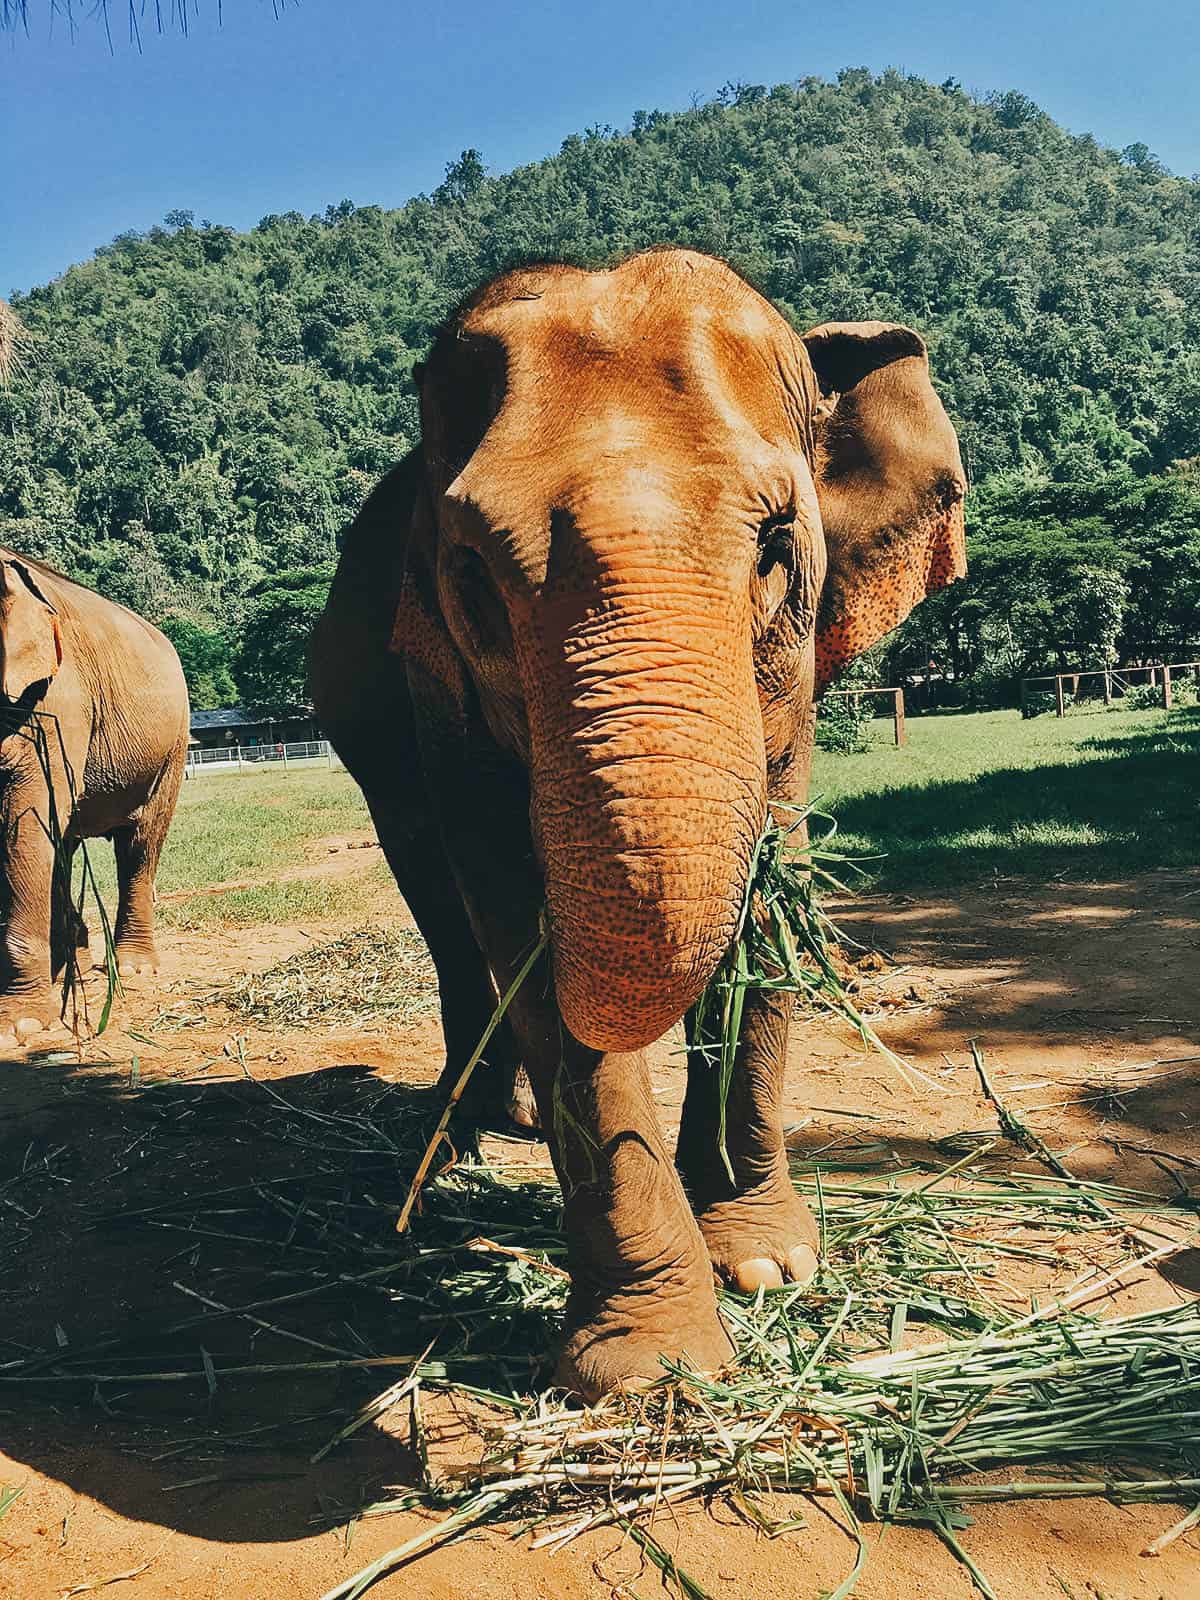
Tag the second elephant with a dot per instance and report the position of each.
(93, 741)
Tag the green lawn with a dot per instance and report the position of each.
(244, 825)
(252, 825)
(971, 797)
(967, 799)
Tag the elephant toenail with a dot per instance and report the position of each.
(758, 1273)
(802, 1264)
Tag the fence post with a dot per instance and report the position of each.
(329, 755)
(1166, 688)
(1024, 696)
(1108, 688)
(1060, 707)
(901, 728)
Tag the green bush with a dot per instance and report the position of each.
(1148, 696)
(844, 725)
(1041, 702)
(1141, 697)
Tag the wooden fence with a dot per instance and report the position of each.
(897, 698)
(1159, 676)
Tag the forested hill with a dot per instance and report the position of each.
(202, 410)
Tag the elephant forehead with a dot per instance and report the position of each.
(600, 441)
(676, 322)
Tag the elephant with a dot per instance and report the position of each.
(94, 726)
(570, 654)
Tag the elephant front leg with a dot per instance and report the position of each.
(641, 1280)
(641, 1283)
(758, 1231)
(28, 1001)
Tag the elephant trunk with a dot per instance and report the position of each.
(648, 794)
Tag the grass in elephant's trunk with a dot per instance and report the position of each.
(784, 942)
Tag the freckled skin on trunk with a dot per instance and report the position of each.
(649, 789)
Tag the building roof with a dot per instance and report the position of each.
(231, 717)
(239, 717)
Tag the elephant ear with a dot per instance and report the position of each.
(890, 483)
(418, 631)
(30, 638)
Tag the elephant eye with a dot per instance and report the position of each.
(776, 542)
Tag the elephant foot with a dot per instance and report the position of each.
(498, 1099)
(30, 1019)
(136, 960)
(616, 1350)
(522, 1107)
(762, 1237)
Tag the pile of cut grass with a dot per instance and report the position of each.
(366, 977)
(823, 1398)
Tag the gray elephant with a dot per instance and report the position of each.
(93, 741)
(570, 654)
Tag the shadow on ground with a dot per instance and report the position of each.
(1109, 971)
(133, 1216)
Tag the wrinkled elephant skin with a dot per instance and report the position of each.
(647, 522)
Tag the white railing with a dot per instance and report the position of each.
(251, 757)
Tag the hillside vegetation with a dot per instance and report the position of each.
(201, 411)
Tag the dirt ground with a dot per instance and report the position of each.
(1085, 998)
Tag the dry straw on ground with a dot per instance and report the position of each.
(369, 976)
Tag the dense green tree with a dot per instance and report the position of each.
(272, 664)
(207, 660)
(1071, 574)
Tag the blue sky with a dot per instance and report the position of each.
(369, 99)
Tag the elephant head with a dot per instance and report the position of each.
(647, 504)
(30, 640)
